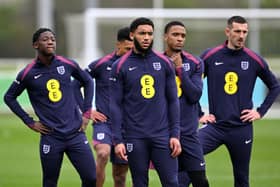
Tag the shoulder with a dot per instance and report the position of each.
(163, 57)
(121, 61)
(191, 57)
(66, 61)
(211, 51)
(103, 60)
(23, 73)
(255, 56)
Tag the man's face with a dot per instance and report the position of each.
(46, 44)
(143, 38)
(175, 38)
(237, 35)
(124, 46)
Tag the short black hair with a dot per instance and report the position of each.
(123, 34)
(172, 23)
(37, 34)
(236, 19)
(140, 21)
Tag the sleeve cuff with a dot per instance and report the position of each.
(87, 114)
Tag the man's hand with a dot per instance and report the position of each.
(120, 151)
(97, 116)
(177, 59)
(208, 118)
(249, 115)
(39, 127)
(84, 125)
(175, 146)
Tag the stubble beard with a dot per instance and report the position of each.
(140, 49)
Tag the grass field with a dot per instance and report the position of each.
(20, 165)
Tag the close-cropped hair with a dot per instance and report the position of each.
(140, 21)
(236, 19)
(38, 32)
(123, 34)
(171, 24)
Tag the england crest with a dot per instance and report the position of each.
(186, 67)
(60, 70)
(157, 66)
(100, 136)
(244, 65)
(46, 149)
(129, 147)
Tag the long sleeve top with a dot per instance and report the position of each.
(144, 102)
(190, 87)
(51, 94)
(231, 76)
(100, 71)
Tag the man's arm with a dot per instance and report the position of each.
(191, 84)
(116, 95)
(87, 83)
(173, 113)
(173, 104)
(10, 98)
(273, 86)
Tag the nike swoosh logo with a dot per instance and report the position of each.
(248, 141)
(218, 63)
(132, 68)
(112, 79)
(202, 163)
(37, 76)
(16, 81)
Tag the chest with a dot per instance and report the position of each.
(145, 73)
(231, 69)
(49, 79)
(103, 72)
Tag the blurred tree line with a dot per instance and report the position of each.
(18, 22)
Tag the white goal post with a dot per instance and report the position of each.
(91, 16)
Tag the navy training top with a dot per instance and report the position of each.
(144, 102)
(51, 94)
(231, 76)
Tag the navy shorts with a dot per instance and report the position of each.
(102, 134)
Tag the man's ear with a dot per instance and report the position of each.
(227, 31)
(165, 37)
(35, 45)
(131, 35)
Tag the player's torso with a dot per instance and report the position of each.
(144, 96)
(51, 94)
(49, 82)
(229, 75)
(101, 74)
(145, 78)
(231, 79)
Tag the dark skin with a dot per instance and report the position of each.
(46, 46)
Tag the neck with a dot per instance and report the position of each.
(170, 52)
(47, 60)
(139, 52)
(232, 47)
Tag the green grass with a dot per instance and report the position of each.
(20, 164)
